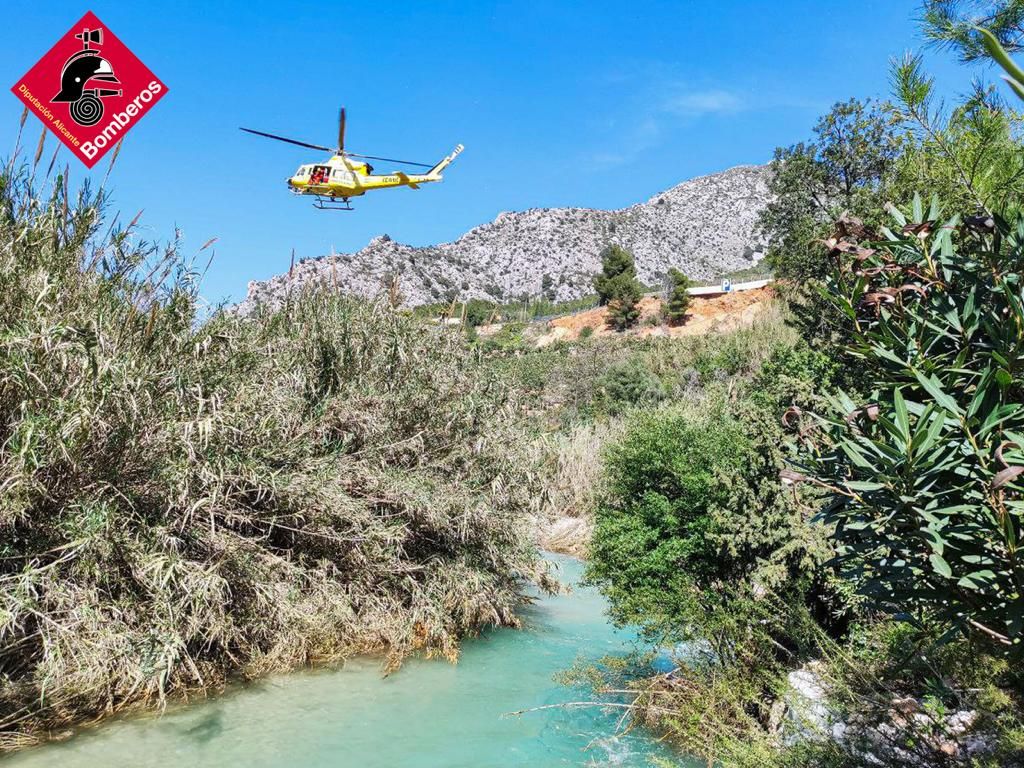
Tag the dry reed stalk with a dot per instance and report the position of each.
(260, 493)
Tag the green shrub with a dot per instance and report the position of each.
(795, 375)
(628, 384)
(508, 339)
(479, 311)
(697, 541)
(736, 354)
(693, 504)
(653, 536)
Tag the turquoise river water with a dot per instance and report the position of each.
(430, 714)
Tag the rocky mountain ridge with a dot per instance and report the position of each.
(705, 227)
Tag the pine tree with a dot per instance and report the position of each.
(547, 287)
(616, 265)
(624, 310)
(618, 288)
(678, 298)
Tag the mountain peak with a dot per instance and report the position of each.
(704, 226)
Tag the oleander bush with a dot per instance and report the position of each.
(924, 471)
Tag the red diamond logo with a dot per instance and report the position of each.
(89, 89)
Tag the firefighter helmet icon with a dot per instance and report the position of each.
(84, 67)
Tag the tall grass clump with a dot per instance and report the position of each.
(187, 499)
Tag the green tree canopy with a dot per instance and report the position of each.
(547, 287)
(617, 267)
(970, 156)
(845, 167)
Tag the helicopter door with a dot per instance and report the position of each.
(321, 173)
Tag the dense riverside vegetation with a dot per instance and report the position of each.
(834, 535)
(184, 499)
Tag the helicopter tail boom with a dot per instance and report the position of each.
(435, 172)
(409, 181)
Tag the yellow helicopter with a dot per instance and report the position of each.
(337, 179)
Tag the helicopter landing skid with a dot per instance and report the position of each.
(332, 204)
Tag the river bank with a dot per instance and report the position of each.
(429, 713)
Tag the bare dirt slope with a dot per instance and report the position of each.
(707, 314)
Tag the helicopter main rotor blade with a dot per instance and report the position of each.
(389, 160)
(341, 132)
(288, 141)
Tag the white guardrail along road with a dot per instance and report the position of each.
(728, 286)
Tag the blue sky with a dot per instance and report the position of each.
(599, 104)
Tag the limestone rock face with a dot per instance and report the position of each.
(705, 227)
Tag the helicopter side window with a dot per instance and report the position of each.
(321, 173)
